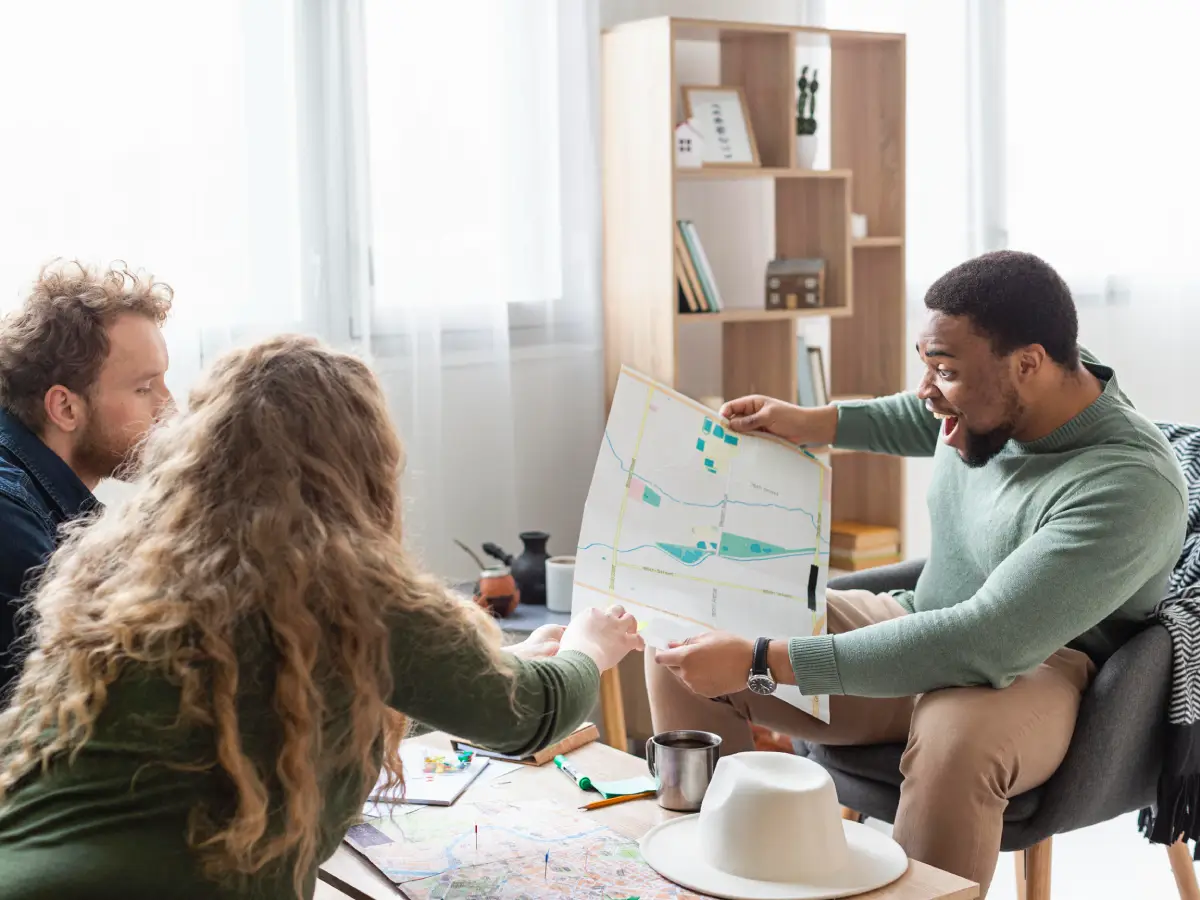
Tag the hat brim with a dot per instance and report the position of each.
(671, 849)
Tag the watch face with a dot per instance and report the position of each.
(761, 684)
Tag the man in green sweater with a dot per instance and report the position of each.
(1057, 513)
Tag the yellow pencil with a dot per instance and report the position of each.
(599, 804)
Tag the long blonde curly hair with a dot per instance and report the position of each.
(275, 497)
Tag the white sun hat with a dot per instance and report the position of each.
(770, 828)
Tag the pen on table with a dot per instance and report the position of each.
(624, 798)
(564, 766)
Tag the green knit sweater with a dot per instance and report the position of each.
(112, 825)
(1063, 541)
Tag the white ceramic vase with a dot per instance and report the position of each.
(806, 150)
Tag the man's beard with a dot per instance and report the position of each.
(106, 455)
(982, 446)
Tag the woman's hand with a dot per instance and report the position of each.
(604, 636)
(542, 642)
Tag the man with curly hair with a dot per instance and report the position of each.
(82, 366)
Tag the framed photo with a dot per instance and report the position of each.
(719, 114)
(816, 366)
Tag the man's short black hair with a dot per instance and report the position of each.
(1014, 299)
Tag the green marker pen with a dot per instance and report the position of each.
(581, 781)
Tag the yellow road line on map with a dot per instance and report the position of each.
(818, 625)
(612, 578)
(820, 514)
(665, 612)
(724, 584)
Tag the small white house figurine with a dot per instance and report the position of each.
(689, 146)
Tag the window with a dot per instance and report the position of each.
(161, 134)
(463, 110)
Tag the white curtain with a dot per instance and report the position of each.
(485, 320)
(160, 134)
(1102, 178)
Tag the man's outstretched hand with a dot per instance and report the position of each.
(793, 423)
(712, 664)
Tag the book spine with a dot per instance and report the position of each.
(685, 255)
(805, 392)
(685, 286)
(705, 269)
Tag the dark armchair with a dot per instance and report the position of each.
(1111, 767)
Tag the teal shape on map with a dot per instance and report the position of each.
(686, 555)
(707, 425)
(731, 439)
(709, 463)
(718, 432)
(734, 546)
(651, 498)
(700, 444)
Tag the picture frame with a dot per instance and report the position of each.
(816, 366)
(720, 114)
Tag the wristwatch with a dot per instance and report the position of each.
(760, 680)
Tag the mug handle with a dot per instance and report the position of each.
(650, 756)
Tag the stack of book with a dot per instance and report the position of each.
(856, 545)
(697, 287)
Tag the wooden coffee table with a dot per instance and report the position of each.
(351, 875)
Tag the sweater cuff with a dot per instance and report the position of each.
(815, 665)
(905, 599)
(854, 426)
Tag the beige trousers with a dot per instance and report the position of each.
(968, 749)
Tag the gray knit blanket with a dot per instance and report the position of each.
(1177, 809)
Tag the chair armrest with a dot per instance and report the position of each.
(1115, 757)
(897, 577)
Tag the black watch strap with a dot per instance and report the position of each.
(759, 665)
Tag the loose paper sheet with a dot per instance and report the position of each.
(692, 527)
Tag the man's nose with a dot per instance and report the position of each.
(166, 404)
(926, 390)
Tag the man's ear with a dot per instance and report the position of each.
(64, 409)
(1030, 360)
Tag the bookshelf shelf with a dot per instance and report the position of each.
(762, 315)
(863, 75)
(737, 173)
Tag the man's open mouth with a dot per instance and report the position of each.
(949, 426)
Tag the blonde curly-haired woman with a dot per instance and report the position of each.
(216, 674)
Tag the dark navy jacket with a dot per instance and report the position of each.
(38, 493)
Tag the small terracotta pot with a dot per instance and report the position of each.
(497, 592)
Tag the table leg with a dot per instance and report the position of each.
(612, 710)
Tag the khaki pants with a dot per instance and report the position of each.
(968, 749)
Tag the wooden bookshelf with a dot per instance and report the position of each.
(864, 279)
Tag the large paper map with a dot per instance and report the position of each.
(436, 854)
(692, 527)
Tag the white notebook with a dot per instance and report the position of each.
(427, 788)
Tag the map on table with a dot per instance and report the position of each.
(436, 854)
(692, 527)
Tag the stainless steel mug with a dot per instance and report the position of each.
(682, 764)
